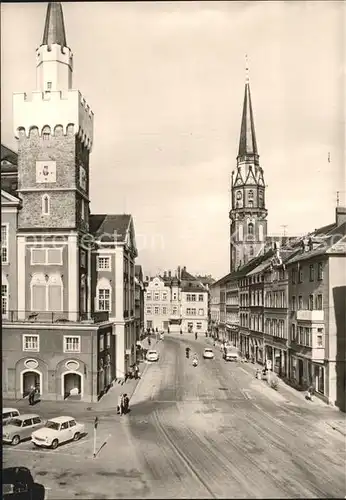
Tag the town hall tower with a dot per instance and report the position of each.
(54, 128)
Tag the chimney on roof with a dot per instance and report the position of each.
(165, 274)
(184, 268)
(169, 274)
(179, 272)
(340, 215)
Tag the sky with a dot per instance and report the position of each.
(166, 83)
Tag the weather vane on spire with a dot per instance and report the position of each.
(247, 68)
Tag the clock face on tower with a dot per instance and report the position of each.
(239, 195)
(45, 171)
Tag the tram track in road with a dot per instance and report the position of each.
(182, 456)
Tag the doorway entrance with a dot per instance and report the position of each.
(72, 385)
(30, 380)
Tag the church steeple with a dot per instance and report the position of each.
(247, 142)
(248, 213)
(54, 28)
(54, 59)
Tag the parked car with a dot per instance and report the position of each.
(18, 484)
(208, 353)
(20, 428)
(152, 355)
(230, 354)
(8, 413)
(56, 431)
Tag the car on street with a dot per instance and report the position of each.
(20, 428)
(230, 354)
(152, 355)
(18, 484)
(56, 431)
(8, 413)
(208, 353)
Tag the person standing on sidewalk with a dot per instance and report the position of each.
(119, 404)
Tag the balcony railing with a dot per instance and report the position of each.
(61, 317)
(307, 315)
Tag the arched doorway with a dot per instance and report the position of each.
(30, 379)
(72, 385)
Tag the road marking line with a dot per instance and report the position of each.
(243, 370)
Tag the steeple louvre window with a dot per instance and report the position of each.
(250, 229)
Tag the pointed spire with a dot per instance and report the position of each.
(54, 28)
(247, 142)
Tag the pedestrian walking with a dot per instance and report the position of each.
(122, 405)
(31, 395)
(136, 371)
(119, 404)
(126, 402)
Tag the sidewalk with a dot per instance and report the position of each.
(108, 402)
(110, 399)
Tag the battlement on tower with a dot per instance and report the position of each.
(54, 52)
(63, 108)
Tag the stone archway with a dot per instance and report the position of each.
(30, 379)
(72, 385)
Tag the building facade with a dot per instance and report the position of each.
(67, 286)
(139, 302)
(317, 283)
(176, 303)
(158, 307)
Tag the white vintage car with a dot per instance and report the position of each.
(56, 431)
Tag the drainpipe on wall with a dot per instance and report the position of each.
(92, 366)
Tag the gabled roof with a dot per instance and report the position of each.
(193, 286)
(8, 200)
(331, 241)
(184, 275)
(116, 226)
(8, 154)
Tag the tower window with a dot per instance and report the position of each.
(250, 228)
(45, 205)
(251, 195)
(251, 251)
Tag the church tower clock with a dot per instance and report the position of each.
(54, 128)
(248, 215)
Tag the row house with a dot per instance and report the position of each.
(67, 275)
(139, 302)
(246, 342)
(214, 307)
(194, 306)
(317, 295)
(158, 306)
(232, 310)
(176, 303)
(276, 307)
